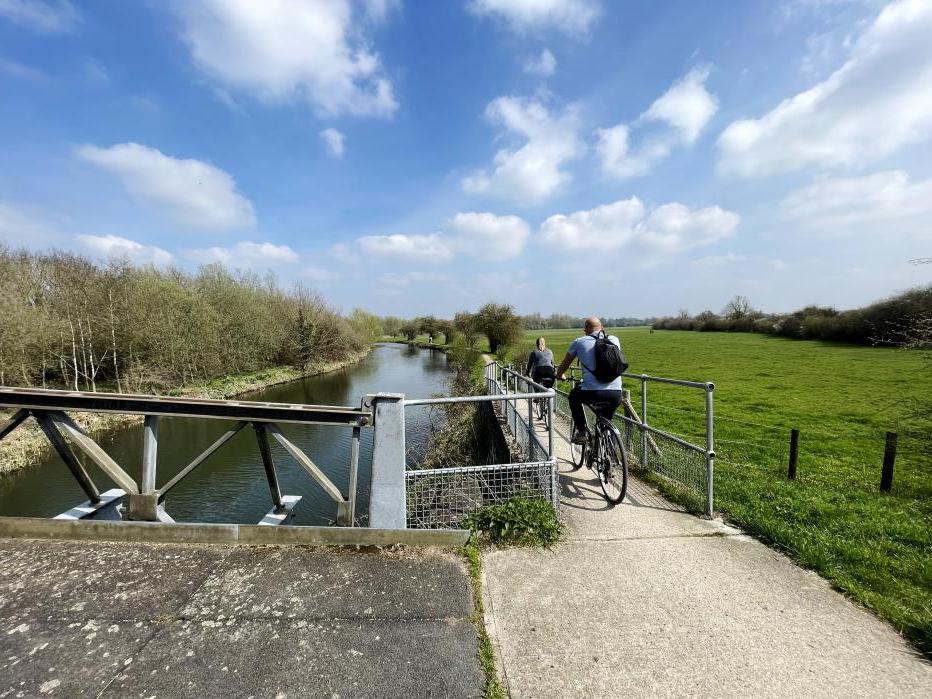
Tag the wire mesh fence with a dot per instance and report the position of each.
(453, 467)
(438, 498)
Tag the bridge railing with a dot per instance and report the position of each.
(445, 496)
(145, 499)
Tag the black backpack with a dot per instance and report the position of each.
(610, 362)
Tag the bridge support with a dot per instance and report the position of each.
(387, 500)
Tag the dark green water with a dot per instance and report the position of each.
(231, 485)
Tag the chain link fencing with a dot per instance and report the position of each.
(465, 453)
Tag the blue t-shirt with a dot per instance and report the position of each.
(583, 348)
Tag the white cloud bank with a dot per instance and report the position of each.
(190, 192)
(43, 16)
(482, 235)
(247, 255)
(279, 50)
(545, 64)
(534, 171)
(684, 110)
(668, 228)
(335, 142)
(570, 16)
(113, 246)
(879, 204)
(877, 102)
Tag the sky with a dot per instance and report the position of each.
(423, 157)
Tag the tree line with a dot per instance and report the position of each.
(887, 322)
(498, 322)
(72, 322)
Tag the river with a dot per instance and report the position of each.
(231, 485)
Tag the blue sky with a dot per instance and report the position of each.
(417, 157)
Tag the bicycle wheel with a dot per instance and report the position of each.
(577, 451)
(613, 463)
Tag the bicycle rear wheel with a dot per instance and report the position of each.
(613, 469)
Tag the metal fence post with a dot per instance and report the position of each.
(145, 505)
(551, 405)
(387, 498)
(710, 448)
(643, 421)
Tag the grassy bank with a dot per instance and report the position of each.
(876, 547)
(28, 444)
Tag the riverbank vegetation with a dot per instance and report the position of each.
(843, 398)
(887, 322)
(71, 322)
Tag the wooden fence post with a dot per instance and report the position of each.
(889, 457)
(794, 454)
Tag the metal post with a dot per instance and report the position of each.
(150, 445)
(144, 506)
(710, 448)
(530, 424)
(794, 454)
(353, 470)
(387, 497)
(551, 405)
(644, 435)
(263, 438)
(889, 458)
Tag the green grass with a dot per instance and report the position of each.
(876, 547)
(493, 687)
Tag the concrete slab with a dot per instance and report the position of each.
(169, 620)
(256, 583)
(239, 658)
(643, 599)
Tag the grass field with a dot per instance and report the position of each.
(876, 547)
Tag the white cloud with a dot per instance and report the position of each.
(488, 236)
(247, 255)
(22, 228)
(335, 142)
(482, 235)
(431, 247)
(669, 228)
(190, 192)
(877, 204)
(533, 171)
(401, 280)
(113, 246)
(544, 64)
(877, 102)
(21, 70)
(280, 50)
(715, 261)
(683, 110)
(44, 16)
(570, 16)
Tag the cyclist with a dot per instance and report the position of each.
(540, 364)
(591, 390)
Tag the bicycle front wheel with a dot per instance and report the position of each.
(577, 451)
(613, 473)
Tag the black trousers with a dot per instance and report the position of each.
(608, 402)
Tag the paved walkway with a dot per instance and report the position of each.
(644, 599)
(91, 619)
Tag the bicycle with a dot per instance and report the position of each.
(604, 452)
(542, 406)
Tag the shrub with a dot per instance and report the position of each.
(518, 522)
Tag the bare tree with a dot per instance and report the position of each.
(738, 307)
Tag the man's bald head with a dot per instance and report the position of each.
(592, 324)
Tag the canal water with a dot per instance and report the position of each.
(231, 485)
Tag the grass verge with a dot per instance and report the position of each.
(493, 686)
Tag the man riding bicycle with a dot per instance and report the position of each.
(607, 395)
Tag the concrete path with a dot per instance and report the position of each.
(91, 619)
(644, 599)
